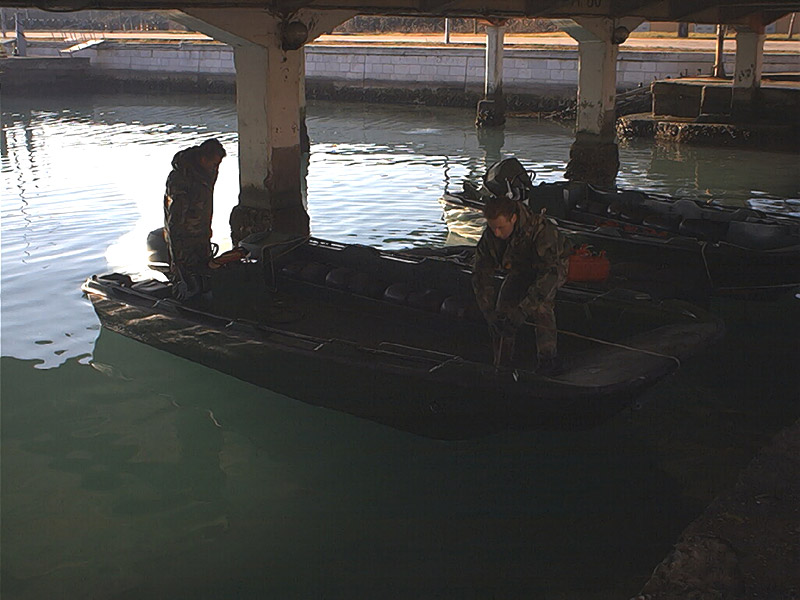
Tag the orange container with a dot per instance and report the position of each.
(586, 265)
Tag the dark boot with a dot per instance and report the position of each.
(550, 366)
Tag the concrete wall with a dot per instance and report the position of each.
(366, 66)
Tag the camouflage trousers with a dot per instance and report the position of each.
(514, 289)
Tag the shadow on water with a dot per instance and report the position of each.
(147, 476)
(150, 476)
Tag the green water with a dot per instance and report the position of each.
(129, 473)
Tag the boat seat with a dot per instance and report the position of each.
(760, 236)
(293, 269)
(152, 287)
(460, 307)
(339, 278)
(397, 293)
(315, 273)
(704, 229)
(687, 209)
(364, 285)
(628, 206)
(668, 222)
(428, 299)
(360, 254)
(744, 214)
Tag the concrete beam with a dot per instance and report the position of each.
(653, 11)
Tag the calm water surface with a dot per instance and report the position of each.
(129, 473)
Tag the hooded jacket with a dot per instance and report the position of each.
(188, 208)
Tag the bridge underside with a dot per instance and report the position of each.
(731, 12)
(268, 39)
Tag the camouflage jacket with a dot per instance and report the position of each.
(535, 249)
(188, 208)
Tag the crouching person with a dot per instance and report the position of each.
(533, 255)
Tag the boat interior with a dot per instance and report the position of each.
(417, 302)
(642, 213)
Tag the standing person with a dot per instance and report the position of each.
(532, 253)
(188, 208)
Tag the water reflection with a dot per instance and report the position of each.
(129, 473)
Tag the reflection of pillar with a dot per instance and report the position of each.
(747, 71)
(491, 110)
(594, 156)
(491, 139)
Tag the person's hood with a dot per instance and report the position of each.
(526, 222)
(186, 159)
(187, 162)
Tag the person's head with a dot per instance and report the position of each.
(210, 155)
(501, 216)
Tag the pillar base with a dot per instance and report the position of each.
(593, 162)
(491, 113)
(246, 220)
(305, 141)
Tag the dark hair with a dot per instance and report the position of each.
(499, 205)
(212, 149)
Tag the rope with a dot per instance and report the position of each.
(705, 263)
(613, 344)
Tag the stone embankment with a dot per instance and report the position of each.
(536, 76)
(746, 545)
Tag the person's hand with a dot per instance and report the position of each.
(501, 324)
(517, 317)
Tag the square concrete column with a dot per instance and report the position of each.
(268, 110)
(491, 110)
(594, 156)
(269, 60)
(747, 72)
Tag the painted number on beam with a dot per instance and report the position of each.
(593, 5)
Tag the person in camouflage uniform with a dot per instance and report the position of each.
(534, 256)
(188, 209)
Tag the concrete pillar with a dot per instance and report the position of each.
(747, 72)
(305, 142)
(719, 54)
(270, 69)
(594, 156)
(21, 48)
(268, 111)
(492, 109)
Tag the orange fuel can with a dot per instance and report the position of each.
(587, 265)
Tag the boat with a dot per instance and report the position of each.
(396, 337)
(700, 248)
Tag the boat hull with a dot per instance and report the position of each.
(400, 369)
